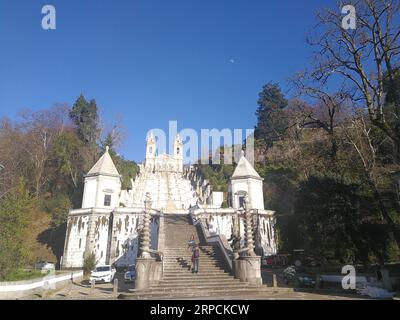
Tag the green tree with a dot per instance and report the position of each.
(58, 206)
(85, 116)
(272, 121)
(109, 141)
(13, 222)
(89, 262)
(334, 218)
(66, 160)
(127, 169)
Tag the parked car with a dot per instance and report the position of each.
(277, 260)
(45, 266)
(299, 277)
(103, 273)
(267, 261)
(130, 274)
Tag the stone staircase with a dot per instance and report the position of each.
(213, 279)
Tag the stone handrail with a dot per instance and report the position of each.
(160, 256)
(215, 239)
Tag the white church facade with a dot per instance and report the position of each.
(110, 220)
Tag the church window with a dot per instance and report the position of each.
(107, 200)
(178, 150)
(241, 202)
(150, 149)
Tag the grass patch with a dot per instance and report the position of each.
(20, 275)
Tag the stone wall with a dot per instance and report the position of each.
(112, 236)
(124, 242)
(75, 242)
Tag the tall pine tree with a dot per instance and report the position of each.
(85, 116)
(272, 120)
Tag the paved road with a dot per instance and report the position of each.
(83, 291)
(266, 275)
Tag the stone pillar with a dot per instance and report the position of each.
(386, 279)
(92, 285)
(248, 269)
(115, 287)
(236, 236)
(145, 264)
(249, 229)
(317, 281)
(274, 281)
(143, 269)
(145, 245)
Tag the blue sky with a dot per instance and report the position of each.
(201, 63)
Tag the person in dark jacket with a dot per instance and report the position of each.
(196, 259)
(192, 243)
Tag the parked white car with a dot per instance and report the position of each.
(104, 273)
(45, 266)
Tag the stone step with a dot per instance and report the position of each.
(195, 286)
(222, 275)
(189, 256)
(240, 292)
(188, 253)
(181, 234)
(189, 261)
(187, 271)
(181, 259)
(185, 247)
(180, 266)
(202, 267)
(186, 257)
(198, 281)
(186, 265)
(187, 250)
(182, 273)
(201, 271)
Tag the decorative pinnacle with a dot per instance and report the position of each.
(107, 148)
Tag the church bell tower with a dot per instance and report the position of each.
(150, 152)
(178, 153)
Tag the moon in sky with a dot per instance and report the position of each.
(232, 61)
